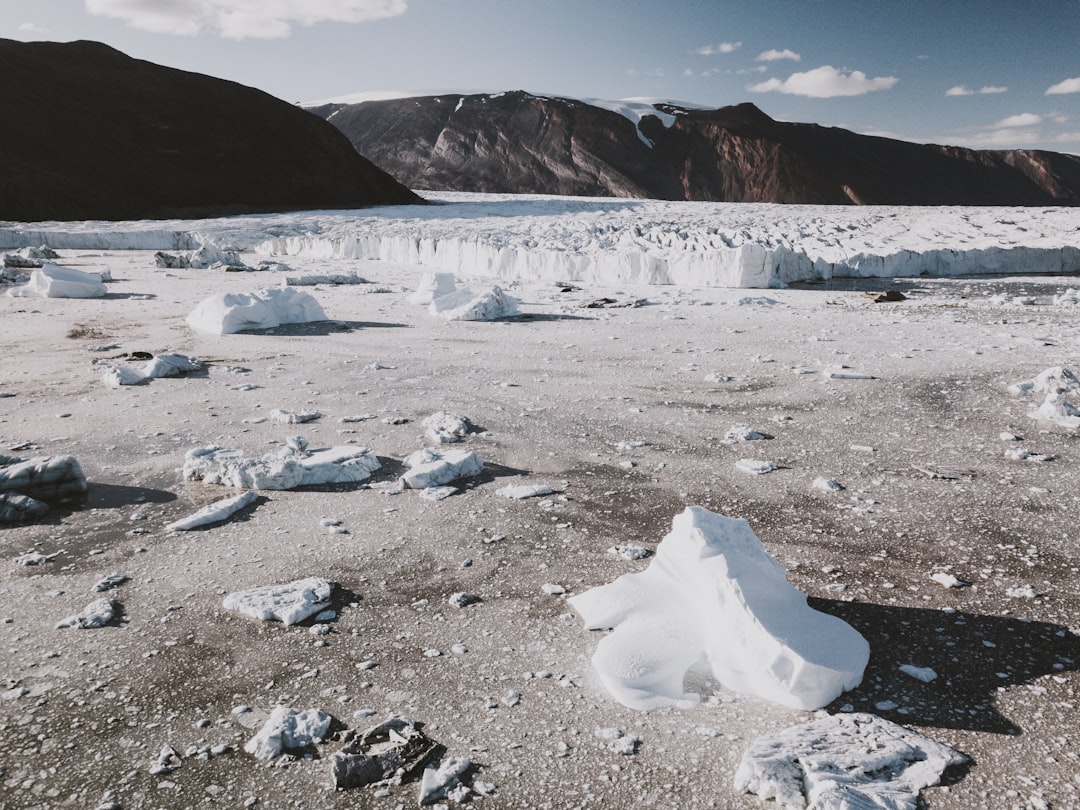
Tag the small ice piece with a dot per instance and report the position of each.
(844, 762)
(293, 417)
(170, 365)
(1021, 592)
(463, 599)
(1054, 380)
(437, 493)
(116, 376)
(717, 377)
(826, 485)
(214, 512)
(438, 781)
(523, 491)
(630, 552)
(756, 466)
(97, 614)
(444, 427)
(619, 741)
(110, 582)
(1009, 436)
(34, 558)
(432, 286)
(288, 604)
(842, 372)
(1058, 411)
(947, 580)
(469, 305)
(743, 433)
(432, 467)
(1023, 454)
(288, 729)
(635, 444)
(227, 313)
(713, 593)
(924, 674)
(552, 589)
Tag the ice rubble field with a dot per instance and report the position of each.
(247, 573)
(514, 237)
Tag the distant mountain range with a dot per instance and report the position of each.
(89, 133)
(517, 142)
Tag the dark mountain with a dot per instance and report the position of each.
(89, 133)
(518, 142)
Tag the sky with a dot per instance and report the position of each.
(980, 74)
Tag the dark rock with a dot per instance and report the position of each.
(520, 143)
(90, 133)
(396, 750)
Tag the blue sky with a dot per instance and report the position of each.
(981, 74)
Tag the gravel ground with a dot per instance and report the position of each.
(928, 489)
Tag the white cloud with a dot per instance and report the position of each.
(775, 55)
(713, 50)
(240, 19)
(962, 90)
(825, 82)
(755, 69)
(1067, 86)
(1018, 121)
(690, 73)
(1008, 138)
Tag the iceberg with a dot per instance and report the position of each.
(713, 593)
(228, 313)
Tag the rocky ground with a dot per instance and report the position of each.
(506, 682)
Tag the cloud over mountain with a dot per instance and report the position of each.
(240, 19)
(825, 82)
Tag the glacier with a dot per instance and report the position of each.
(534, 238)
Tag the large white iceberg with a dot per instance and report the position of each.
(713, 593)
(844, 762)
(228, 313)
(53, 281)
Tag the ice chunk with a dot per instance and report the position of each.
(743, 433)
(54, 281)
(756, 466)
(713, 592)
(844, 762)
(826, 485)
(288, 730)
(439, 780)
(444, 427)
(432, 467)
(162, 365)
(286, 470)
(522, 491)
(293, 417)
(469, 305)
(44, 478)
(1054, 380)
(1058, 410)
(288, 604)
(15, 508)
(227, 313)
(432, 286)
(97, 614)
(214, 512)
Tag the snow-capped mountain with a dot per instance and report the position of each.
(89, 133)
(518, 142)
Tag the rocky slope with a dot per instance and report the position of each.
(90, 133)
(518, 142)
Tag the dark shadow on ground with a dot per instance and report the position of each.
(492, 472)
(116, 496)
(123, 296)
(321, 328)
(539, 317)
(973, 656)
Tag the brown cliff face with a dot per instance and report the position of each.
(521, 143)
(89, 133)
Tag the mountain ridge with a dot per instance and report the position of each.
(91, 133)
(519, 142)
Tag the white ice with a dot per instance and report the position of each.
(214, 512)
(54, 281)
(523, 491)
(288, 469)
(432, 286)
(444, 427)
(288, 729)
(465, 304)
(434, 466)
(844, 762)
(97, 614)
(162, 365)
(288, 604)
(228, 313)
(622, 241)
(712, 592)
